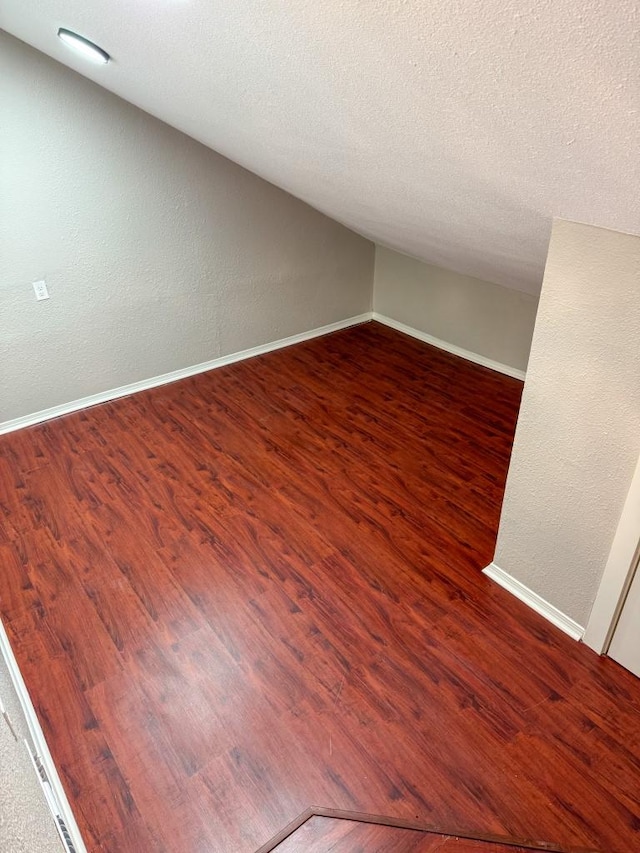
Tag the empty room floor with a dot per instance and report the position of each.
(259, 590)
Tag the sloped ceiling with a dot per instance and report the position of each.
(452, 130)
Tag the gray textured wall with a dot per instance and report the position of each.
(159, 253)
(487, 319)
(578, 434)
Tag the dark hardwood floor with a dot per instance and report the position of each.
(320, 830)
(324, 835)
(259, 590)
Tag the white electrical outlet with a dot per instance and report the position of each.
(40, 289)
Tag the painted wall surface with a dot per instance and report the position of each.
(578, 434)
(485, 318)
(621, 563)
(158, 253)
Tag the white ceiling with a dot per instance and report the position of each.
(452, 130)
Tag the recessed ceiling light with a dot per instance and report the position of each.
(82, 45)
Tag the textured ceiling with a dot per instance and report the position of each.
(452, 130)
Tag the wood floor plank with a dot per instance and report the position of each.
(259, 589)
(328, 835)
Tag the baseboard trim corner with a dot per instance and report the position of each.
(175, 375)
(534, 601)
(475, 357)
(55, 795)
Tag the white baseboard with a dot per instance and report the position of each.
(183, 373)
(535, 602)
(56, 797)
(452, 348)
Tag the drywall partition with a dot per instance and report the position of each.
(158, 253)
(492, 322)
(578, 434)
(618, 572)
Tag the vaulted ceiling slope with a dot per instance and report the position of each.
(452, 130)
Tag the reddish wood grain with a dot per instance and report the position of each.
(259, 589)
(328, 835)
